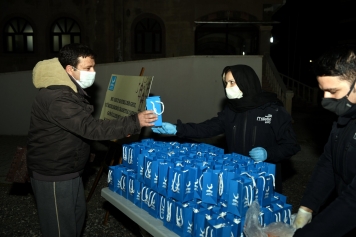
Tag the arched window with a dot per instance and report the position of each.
(226, 39)
(64, 31)
(237, 36)
(148, 37)
(18, 36)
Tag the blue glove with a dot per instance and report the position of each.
(166, 128)
(258, 154)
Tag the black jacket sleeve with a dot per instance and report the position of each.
(286, 144)
(209, 128)
(338, 218)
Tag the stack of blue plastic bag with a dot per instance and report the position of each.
(195, 189)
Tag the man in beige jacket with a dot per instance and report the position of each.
(61, 128)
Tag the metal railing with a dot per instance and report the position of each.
(306, 93)
(286, 87)
(275, 82)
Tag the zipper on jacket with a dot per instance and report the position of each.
(244, 135)
(234, 136)
(338, 148)
(345, 149)
(352, 123)
(254, 136)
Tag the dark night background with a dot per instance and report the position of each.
(307, 29)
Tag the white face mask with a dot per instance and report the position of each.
(86, 79)
(233, 92)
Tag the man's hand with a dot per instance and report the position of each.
(147, 118)
(304, 216)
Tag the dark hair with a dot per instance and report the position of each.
(69, 54)
(338, 61)
(223, 75)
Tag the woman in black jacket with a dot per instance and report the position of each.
(254, 122)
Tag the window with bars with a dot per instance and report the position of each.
(64, 31)
(148, 37)
(18, 36)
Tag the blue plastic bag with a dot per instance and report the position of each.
(154, 103)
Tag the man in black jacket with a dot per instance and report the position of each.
(336, 168)
(58, 140)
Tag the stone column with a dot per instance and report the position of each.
(264, 40)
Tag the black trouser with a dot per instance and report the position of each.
(61, 207)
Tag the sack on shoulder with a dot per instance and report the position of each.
(18, 172)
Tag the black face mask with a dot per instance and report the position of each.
(338, 106)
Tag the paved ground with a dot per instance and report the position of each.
(18, 214)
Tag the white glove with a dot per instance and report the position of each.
(303, 217)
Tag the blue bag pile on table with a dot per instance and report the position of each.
(195, 189)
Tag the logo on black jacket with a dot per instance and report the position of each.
(266, 119)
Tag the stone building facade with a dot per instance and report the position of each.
(125, 30)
